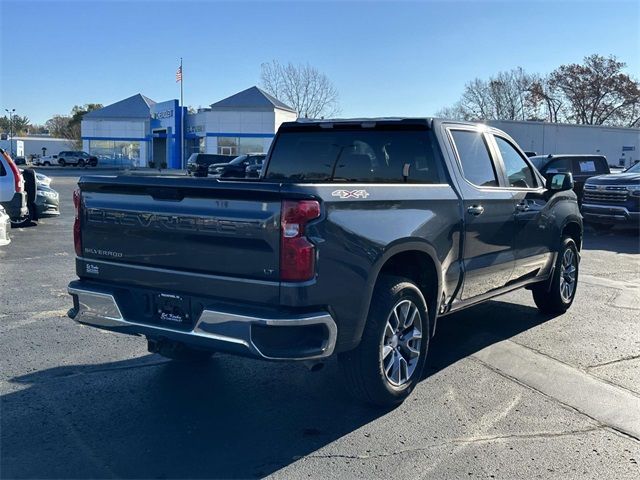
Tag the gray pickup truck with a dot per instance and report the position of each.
(356, 238)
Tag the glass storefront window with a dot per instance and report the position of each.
(251, 145)
(228, 146)
(117, 153)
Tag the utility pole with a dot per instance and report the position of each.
(11, 113)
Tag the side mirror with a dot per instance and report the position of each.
(558, 182)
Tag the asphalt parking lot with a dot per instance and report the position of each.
(510, 393)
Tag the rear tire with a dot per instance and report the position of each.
(387, 364)
(47, 164)
(62, 162)
(80, 163)
(558, 298)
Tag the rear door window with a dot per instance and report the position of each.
(358, 155)
(475, 160)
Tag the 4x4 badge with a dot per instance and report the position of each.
(350, 193)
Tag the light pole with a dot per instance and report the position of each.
(11, 113)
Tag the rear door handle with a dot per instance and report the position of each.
(475, 210)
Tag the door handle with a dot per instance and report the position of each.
(475, 210)
(522, 207)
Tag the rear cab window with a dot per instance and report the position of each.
(359, 155)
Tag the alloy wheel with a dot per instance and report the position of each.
(401, 342)
(568, 275)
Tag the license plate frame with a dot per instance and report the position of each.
(172, 309)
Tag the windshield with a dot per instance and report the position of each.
(634, 168)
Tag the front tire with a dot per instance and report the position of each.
(387, 364)
(62, 162)
(558, 298)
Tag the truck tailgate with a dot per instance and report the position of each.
(182, 224)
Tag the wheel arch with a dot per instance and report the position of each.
(572, 228)
(413, 259)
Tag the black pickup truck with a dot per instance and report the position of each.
(356, 238)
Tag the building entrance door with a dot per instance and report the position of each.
(159, 148)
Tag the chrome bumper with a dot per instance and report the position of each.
(220, 331)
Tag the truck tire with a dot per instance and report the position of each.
(177, 351)
(387, 364)
(558, 297)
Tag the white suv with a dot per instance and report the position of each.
(12, 194)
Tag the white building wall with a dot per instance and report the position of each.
(553, 138)
(33, 145)
(109, 129)
(282, 116)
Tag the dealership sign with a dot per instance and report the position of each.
(163, 114)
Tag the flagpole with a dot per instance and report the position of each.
(181, 116)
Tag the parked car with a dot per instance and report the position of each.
(47, 202)
(13, 196)
(46, 161)
(201, 162)
(581, 167)
(43, 179)
(613, 199)
(40, 178)
(20, 161)
(244, 166)
(77, 158)
(357, 237)
(5, 226)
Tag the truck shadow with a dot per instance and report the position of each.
(229, 418)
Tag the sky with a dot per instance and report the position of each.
(385, 58)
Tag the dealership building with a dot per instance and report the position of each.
(139, 131)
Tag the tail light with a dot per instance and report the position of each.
(77, 233)
(297, 253)
(18, 181)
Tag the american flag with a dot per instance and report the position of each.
(179, 74)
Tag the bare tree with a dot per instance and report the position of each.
(546, 98)
(306, 89)
(598, 92)
(502, 97)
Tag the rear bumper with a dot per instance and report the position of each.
(609, 214)
(16, 207)
(307, 336)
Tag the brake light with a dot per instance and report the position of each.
(18, 181)
(297, 253)
(77, 234)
